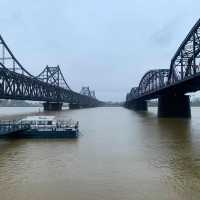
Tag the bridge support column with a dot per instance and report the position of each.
(138, 106)
(52, 106)
(174, 106)
(74, 106)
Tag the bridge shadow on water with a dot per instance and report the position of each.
(174, 149)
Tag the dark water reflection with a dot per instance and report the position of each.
(120, 155)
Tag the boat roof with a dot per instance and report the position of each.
(39, 118)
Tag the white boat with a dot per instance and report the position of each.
(48, 127)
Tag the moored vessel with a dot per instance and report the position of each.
(45, 127)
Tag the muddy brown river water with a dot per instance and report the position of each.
(120, 155)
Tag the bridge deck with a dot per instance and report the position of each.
(182, 77)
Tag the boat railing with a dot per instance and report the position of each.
(64, 123)
(12, 126)
(8, 127)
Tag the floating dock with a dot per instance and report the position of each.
(9, 128)
(38, 127)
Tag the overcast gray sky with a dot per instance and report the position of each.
(105, 44)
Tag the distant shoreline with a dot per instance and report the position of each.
(153, 106)
(22, 106)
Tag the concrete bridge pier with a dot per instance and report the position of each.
(174, 106)
(138, 106)
(74, 106)
(52, 106)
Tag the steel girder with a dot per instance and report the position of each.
(50, 85)
(151, 81)
(19, 86)
(133, 93)
(8, 60)
(53, 76)
(86, 91)
(184, 63)
(183, 67)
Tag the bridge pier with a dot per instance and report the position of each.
(74, 106)
(138, 106)
(52, 106)
(174, 106)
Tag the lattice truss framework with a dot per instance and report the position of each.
(185, 62)
(50, 85)
(150, 82)
(184, 65)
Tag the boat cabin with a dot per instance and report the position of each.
(39, 121)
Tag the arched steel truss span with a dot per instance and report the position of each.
(50, 85)
(185, 62)
(150, 82)
(183, 75)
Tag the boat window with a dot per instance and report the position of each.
(33, 122)
(41, 123)
(29, 122)
(49, 123)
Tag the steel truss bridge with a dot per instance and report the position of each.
(49, 86)
(170, 85)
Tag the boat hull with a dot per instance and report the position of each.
(39, 134)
